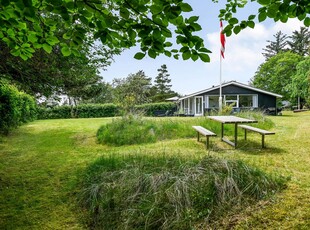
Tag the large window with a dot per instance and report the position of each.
(238, 101)
(213, 101)
(246, 101)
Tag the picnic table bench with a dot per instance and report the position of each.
(257, 130)
(205, 132)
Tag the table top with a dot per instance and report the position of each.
(231, 119)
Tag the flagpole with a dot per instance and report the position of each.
(222, 50)
(220, 98)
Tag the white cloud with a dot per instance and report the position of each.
(243, 53)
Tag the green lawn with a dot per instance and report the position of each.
(41, 164)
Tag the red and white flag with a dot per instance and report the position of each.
(222, 37)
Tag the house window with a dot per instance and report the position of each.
(246, 101)
(231, 100)
(213, 101)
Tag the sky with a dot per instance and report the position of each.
(243, 52)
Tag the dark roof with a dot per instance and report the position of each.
(231, 83)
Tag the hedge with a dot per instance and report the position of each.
(99, 110)
(15, 107)
(80, 111)
(151, 108)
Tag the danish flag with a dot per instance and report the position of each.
(222, 37)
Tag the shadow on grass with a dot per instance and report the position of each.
(252, 147)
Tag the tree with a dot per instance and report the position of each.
(300, 84)
(276, 46)
(48, 74)
(162, 89)
(300, 41)
(25, 25)
(131, 91)
(276, 73)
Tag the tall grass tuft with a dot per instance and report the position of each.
(136, 129)
(141, 192)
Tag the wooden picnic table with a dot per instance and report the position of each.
(231, 120)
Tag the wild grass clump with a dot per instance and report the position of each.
(135, 129)
(169, 193)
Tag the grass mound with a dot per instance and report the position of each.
(135, 129)
(169, 193)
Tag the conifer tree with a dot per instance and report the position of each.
(162, 88)
(276, 46)
(300, 41)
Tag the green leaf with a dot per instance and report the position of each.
(186, 55)
(152, 53)
(167, 53)
(185, 7)
(264, 2)
(24, 57)
(47, 48)
(168, 44)
(176, 56)
(233, 21)
(251, 24)
(65, 51)
(237, 29)
(262, 16)
(251, 17)
(307, 22)
(155, 9)
(192, 19)
(52, 40)
(204, 57)
(194, 56)
(139, 55)
(204, 50)
(124, 13)
(156, 34)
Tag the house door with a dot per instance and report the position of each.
(199, 106)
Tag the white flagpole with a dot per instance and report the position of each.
(222, 49)
(220, 98)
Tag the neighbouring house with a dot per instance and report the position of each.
(242, 96)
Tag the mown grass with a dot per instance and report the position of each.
(42, 163)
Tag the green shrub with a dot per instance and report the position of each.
(169, 193)
(150, 108)
(15, 107)
(80, 111)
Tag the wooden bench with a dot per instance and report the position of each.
(257, 130)
(204, 132)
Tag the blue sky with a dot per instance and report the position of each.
(242, 55)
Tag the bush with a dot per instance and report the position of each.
(80, 111)
(15, 107)
(169, 193)
(151, 108)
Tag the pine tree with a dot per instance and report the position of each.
(276, 46)
(162, 88)
(300, 41)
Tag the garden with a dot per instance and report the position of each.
(66, 173)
